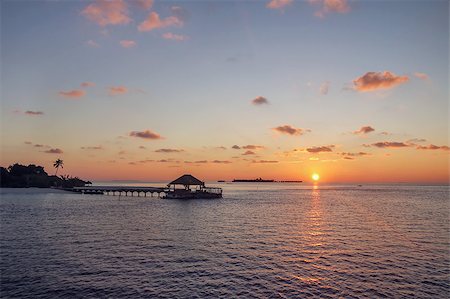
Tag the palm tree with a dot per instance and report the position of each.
(58, 163)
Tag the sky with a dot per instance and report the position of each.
(355, 91)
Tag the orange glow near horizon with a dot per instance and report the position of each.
(315, 177)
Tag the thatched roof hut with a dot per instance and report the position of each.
(187, 180)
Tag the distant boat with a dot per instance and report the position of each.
(221, 181)
(258, 180)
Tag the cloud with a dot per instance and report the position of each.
(290, 130)
(28, 142)
(236, 147)
(117, 90)
(320, 149)
(434, 147)
(221, 162)
(145, 134)
(385, 133)
(278, 4)
(220, 147)
(416, 140)
(359, 154)
(92, 44)
(39, 145)
(34, 113)
(154, 22)
(99, 147)
(249, 153)
(324, 88)
(104, 12)
(371, 81)
(175, 37)
(169, 150)
(264, 161)
(87, 84)
(127, 43)
(73, 94)
(145, 4)
(364, 130)
(196, 162)
(253, 147)
(422, 76)
(260, 101)
(142, 147)
(389, 144)
(330, 6)
(54, 151)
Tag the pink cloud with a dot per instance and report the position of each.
(87, 84)
(253, 147)
(364, 130)
(260, 101)
(99, 147)
(320, 149)
(390, 144)
(154, 22)
(73, 94)
(175, 37)
(117, 90)
(278, 4)
(371, 81)
(145, 134)
(104, 12)
(434, 147)
(127, 43)
(422, 76)
(249, 153)
(34, 113)
(169, 150)
(145, 4)
(330, 6)
(221, 162)
(54, 151)
(324, 88)
(290, 130)
(264, 161)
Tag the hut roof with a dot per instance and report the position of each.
(187, 179)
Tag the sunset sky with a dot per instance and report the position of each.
(356, 91)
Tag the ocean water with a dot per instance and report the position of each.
(259, 241)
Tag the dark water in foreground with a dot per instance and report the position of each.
(275, 240)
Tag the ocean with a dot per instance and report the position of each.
(266, 240)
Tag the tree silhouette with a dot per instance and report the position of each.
(58, 163)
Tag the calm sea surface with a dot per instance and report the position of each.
(260, 240)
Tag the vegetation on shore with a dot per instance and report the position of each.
(21, 176)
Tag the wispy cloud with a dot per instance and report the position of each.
(175, 37)
(34, 113)
(330, 6)
(372, 81)
(236, 147)
(260, 100)
(324, 88)
(434, 147)
(249, 153)
(364, 130)
(153, 21)
(389, 144)
(117, 90)
(320, 149)
(99, 147)
(104, 12)
(73, 94)
(414, 140)
(169, 150)
(127, 43)
(92, 44)
(264, 161)
(422, 76)
(253, 147)
(147, 134)
(351, 156)
(290, 130)
(54, 151)
(278, 4)
(145, 4)
(87, 84)
(221, 162)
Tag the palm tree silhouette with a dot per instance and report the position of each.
(58, 163)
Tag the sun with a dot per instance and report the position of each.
(315, 177)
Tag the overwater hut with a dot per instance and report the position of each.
(192, 188)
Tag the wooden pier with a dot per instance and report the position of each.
(122, 190)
